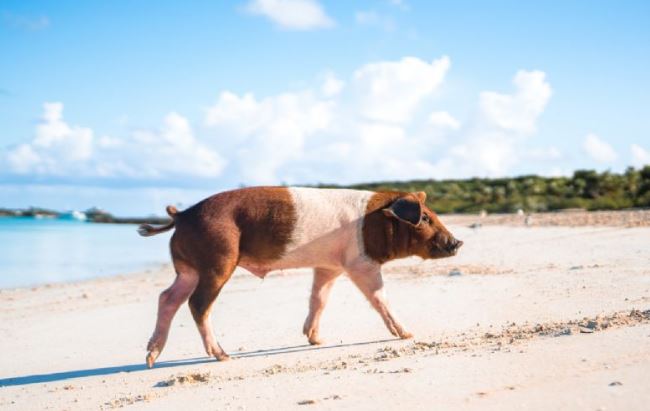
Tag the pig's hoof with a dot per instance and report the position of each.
(151, 358)
(405, 335)
(312, 335)
(315, 341)
(222, 357)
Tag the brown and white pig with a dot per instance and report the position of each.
(269, 228)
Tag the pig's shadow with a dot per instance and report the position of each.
(93, 372)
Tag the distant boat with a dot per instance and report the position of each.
(73, 215)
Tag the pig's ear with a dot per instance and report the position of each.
(421, 195)
(407, 209)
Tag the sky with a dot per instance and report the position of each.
(130, 106)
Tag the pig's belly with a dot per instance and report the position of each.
(324, 253)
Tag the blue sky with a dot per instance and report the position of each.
(132, 105)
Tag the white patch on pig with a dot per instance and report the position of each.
(327, 232)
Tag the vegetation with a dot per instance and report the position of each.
(586, 189)
(29, 212)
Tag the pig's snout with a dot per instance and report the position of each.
(444, 244)
(453, 245)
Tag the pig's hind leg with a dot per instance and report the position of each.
(323, 281)
(168, 303)
(210, 284)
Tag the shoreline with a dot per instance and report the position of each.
(89, 280)
(570, 219)
(636, 217)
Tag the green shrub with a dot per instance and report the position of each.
(585, 189)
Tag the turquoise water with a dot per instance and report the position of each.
(35, 251)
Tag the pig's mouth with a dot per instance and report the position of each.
(446, 248)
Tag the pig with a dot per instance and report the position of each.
(262, 229)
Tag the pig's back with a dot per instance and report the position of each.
(325, 229)
(321, 211)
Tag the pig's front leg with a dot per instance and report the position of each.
(323, 281)
(369, 280)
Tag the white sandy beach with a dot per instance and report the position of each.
(539, 318)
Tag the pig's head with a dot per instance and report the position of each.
(404, 227)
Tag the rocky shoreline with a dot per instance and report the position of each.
(93, 215)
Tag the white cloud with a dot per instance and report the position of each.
(57, 148)
(292, 14)
(598, 149)
(331, 85)
(640, 156)
(270, 132)
(361, 132)
(61, 150)
(495, 144)
(517, 112)
(371, 131)
(75, 143)
(23, 159)
(544, 153)
(557, 172)
(377, 123)
(488, 154)
(173, 150)
(392, 90)
(443, 119)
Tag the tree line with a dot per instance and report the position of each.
(586, 189)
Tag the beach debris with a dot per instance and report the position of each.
(566, 331)
(455, 272)
(130, 400)
(528, 221)
(397, 371)
(183, 379)
(475, 226)
(615, 383)
(596, 324)
(274, 369)
(386, 353)
(311, 402)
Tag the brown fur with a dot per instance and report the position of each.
(210, 239)
(258, 220)
(387, 237)
(255, 225)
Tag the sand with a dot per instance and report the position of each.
(540, 317)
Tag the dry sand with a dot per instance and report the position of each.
(523, 318)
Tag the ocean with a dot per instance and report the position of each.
(35, 251)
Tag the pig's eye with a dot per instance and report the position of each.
(426, 219)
